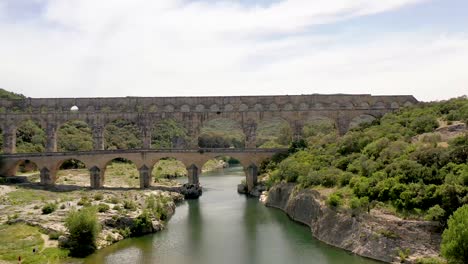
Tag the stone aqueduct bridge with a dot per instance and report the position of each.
(192, 112)
(97, 161)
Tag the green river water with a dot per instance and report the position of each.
(227, 228)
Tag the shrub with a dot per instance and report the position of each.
(98, 196)
(359, 204)
(125, 232)
(455, 237)
(84, 201)
(429, 261)
(102, 207)
(142, 224)
(84, 228)
(54, 235)
(129, 205)
(334, 200)
(435, 213)
(423, 124)
(155, 207)
(49, 208)
(114, 200)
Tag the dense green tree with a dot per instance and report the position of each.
(273, 132)
(122, 134)
(4, 94)
(30, 137)
(74, 136)
(169, 134)
(221, 133)
(455, 238)
(84, 228)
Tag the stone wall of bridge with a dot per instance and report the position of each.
(192, 112)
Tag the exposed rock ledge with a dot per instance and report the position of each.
(374, 235)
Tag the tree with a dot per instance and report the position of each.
(84, 228)
(455, 238)
(167, 134)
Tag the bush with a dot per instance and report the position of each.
(84, 201)
(49, 208)
(54, 235)
(334, 200)
(359, 204)
(423, 124)
(114, 200)
(98, 196)
(455, 238)
(429, 261)
(84, 228)
(102, 207)
(129, 205)
(155, 207)
(142, 224)
(435, 213)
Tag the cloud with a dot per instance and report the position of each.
(175, 47)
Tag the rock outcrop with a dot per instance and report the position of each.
(375, 235)
(191, 191)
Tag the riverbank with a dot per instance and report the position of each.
(43, 210)
(374, 235)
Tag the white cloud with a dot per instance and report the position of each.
(174, 47)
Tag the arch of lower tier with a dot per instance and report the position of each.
(96, 164)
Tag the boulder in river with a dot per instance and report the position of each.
(191, 191)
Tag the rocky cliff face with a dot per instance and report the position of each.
(375, 235)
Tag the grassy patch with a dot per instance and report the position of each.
(20, 240)
(27, 196)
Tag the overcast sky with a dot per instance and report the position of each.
(89, 48)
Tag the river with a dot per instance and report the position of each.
(228, 228)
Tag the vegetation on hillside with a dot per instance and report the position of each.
(75, 135)
(455, 237)
(221, 133)
(4, 94)
(273, 133)
(399, 161)
(122, 134)
(169, 134)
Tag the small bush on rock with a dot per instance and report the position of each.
(102, 207)
(49, 208)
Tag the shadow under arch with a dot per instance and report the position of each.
(74, 135)
(122, 133)
(221, 133)
(26, 168)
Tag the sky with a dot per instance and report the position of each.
(110, 48)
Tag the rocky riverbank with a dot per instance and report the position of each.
(117, 210)
(374, 235)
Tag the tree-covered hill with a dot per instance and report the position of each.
(413, 162)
